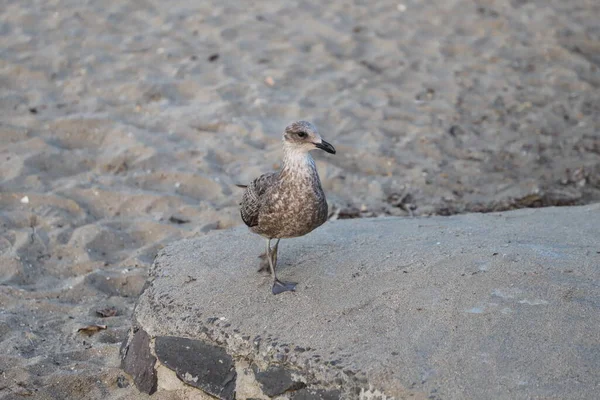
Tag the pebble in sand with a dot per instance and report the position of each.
(290, 202)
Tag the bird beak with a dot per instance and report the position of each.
(325, 146)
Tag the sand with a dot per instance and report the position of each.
(125, 126)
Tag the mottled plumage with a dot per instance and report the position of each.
(291, 202)
(252, 200)
(285, 204)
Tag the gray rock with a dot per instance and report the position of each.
(307, 394)
(488, 306)
(277, 380)
(198, 364)
(138, 361)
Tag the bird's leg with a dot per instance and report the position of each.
(264, 259)
(264, 263)
(278, 286)
(274, 253)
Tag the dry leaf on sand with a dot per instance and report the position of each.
(91, 329)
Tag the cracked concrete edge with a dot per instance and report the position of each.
(265, 353)
(271, 381)
(321, 380)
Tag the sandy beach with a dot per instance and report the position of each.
(125, 125)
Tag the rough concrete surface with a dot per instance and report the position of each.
(487, 306)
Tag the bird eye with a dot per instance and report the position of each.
(302, 134)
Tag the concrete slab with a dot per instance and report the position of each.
(486, 306)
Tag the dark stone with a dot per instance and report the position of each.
(312, 394)
(178, 220)
(456, 130)
(198, 364)
(138, 362)
(276, 380)
(122, 382)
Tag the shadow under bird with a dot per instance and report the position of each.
(290, 202)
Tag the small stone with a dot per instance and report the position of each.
(122, 382)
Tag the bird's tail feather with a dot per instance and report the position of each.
(241, 186)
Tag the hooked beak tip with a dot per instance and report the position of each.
(325, 146)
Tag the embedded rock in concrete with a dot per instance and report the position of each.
(306, 394)
(487, 306)
(138, 361)
(277, 380)
(198, 364)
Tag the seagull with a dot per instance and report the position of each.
(290, 202)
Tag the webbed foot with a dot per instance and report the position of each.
(280, 287)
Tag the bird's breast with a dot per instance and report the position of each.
(296, 208)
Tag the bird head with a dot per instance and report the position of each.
(303, 136)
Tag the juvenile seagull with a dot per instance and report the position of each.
(290, 202)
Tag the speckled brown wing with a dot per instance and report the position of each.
(251, 201)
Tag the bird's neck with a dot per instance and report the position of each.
(297, 162)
